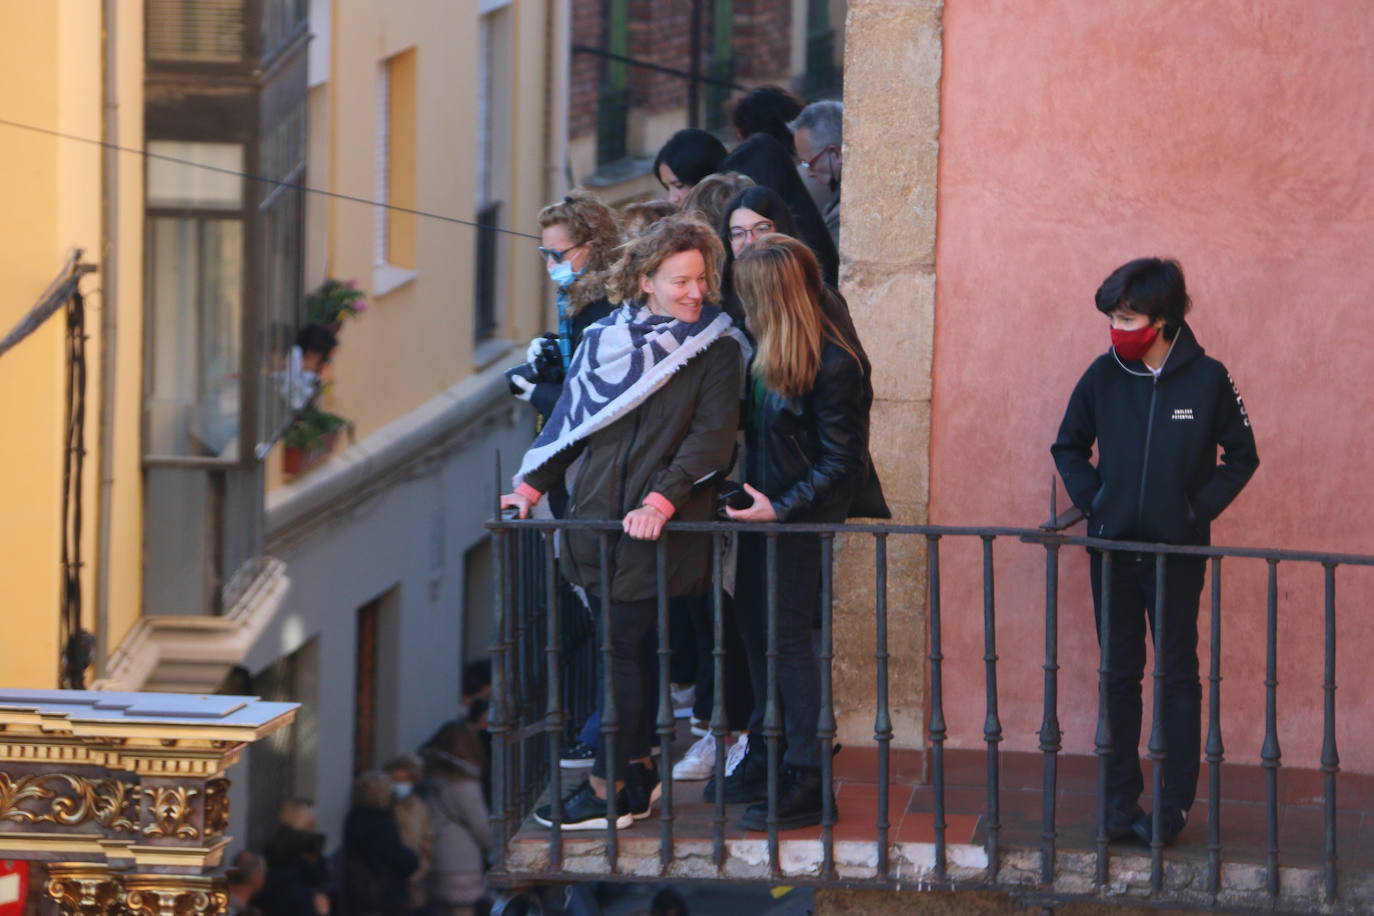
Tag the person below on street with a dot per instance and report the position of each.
(458, 816)
(412, 820)
(1157, 408)
(244, 879)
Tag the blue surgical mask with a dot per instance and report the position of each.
(562, 273)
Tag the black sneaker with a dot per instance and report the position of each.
(1121, 821)
(799, 801)
(642, 789)
(749, 781)
(1171, 825)
(578, 754)
(582, 810)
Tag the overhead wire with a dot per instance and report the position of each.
(265, 180)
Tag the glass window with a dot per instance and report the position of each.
(184, 185)
(195, 291)
(203, 31)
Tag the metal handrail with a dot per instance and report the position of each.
(512, 644)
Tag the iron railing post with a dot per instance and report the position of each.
(667, 724)
(882, 723)
(825, 728)
(1050, 735)
(937, 703)
(1103, 743)
(720, 726)
(1216, 749)
(610, 717)
(1331, 760)
(497, 714)
(1158, 746)
(553, 721)
(772, 718)
(992, 722)
(1270, 753)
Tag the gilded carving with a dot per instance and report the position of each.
(68, 801)
(169, 895)
(170, 809)
(84, 890)
(216, 807)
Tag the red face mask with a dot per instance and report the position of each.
(1132, 345)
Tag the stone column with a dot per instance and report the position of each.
(891, 157)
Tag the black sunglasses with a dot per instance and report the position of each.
(558, 256)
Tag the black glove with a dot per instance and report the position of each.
(521, 380)
(547, 360)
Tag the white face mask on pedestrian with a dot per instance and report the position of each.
(401, 790)
(562, 273)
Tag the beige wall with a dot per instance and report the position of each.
(51, 77)
(416, 340)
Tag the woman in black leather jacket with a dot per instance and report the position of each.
(807, 461)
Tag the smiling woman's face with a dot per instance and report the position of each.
(678, 288)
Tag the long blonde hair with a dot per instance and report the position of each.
(778, 281)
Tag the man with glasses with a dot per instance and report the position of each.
(819, 134)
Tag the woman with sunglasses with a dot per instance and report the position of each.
(579, 236)
(807, 461)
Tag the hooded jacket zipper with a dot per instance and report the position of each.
(1145, 462)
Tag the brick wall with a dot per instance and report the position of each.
(659, 32)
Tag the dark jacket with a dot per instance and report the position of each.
(679, 443)
(1157, 477)
(809, 454)
(377, 864)
(296, 871)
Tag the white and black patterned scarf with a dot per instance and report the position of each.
(622, 359)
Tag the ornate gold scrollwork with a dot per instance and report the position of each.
(84, 890)
(169, 895)
(216, 807)
(69, 800)
(170, 809)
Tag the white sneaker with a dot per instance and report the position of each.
(683, 698)
(736, 753)
(699, 761)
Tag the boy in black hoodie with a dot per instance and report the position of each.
(1158, 408)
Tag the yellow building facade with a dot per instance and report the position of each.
(73, 75)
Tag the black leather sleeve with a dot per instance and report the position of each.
(841, 422)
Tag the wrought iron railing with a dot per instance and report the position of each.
(530, 717)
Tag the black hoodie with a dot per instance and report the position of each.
(1157, 477)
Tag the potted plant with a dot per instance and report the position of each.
(333, 301)
(310, 438)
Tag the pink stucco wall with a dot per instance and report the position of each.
(1237, 136)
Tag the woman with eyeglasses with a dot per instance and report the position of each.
(752, 214)
(579, 236)
(806, 431)
(765, 160)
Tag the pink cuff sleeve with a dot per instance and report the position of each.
(528, 492)
(661, 503)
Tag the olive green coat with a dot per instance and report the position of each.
(681, 435)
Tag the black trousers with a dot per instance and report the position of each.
(798, 603)
(1132, 609)
(739, 692)
(634, 679)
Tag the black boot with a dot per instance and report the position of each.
(800, 801)
(642, 789)
(1121, 818)
(749, 781)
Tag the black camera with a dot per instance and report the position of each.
(731, 494)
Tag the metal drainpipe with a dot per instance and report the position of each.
(109, 298)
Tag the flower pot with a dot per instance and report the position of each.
(299, 460)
